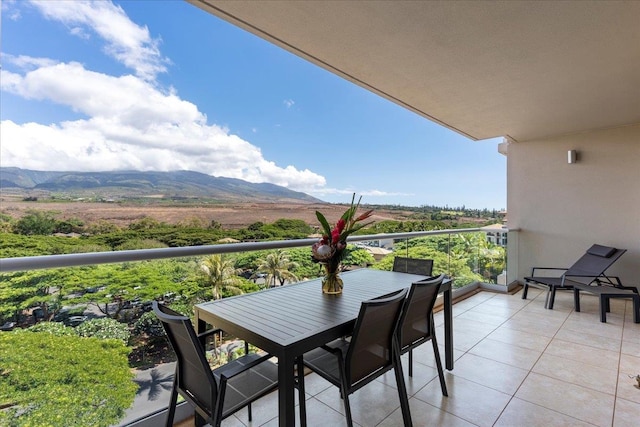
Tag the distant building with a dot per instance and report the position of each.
(377, 252)
(496, 234)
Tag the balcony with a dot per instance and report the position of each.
(516, 362)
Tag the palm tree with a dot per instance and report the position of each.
(278, 266)
(221, 274)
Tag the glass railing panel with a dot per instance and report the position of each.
(467, 257)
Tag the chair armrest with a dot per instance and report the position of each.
(202, 337)
(331, 349)
(238, 368)
(209, 332)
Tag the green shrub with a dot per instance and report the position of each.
(149, 324)
(54, 328)
(104, 328)
(140, 244)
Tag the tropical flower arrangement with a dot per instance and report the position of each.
(330, 249)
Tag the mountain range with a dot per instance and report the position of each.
(176, 184)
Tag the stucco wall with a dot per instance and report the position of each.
(561, 209)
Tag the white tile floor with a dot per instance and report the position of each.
(517, 364)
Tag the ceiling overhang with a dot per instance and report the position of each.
(525, 69)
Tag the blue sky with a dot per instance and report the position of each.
(162, 85)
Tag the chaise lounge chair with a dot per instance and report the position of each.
(588, 269)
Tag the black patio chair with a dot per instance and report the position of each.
(372, 351)
(218, 393)
(423, 267)
(588, 269)
(416, 325)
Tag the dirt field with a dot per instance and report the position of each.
(230, 216)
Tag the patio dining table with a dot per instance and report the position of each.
(290, 320)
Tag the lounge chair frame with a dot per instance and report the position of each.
(605, 293)
(590, 268)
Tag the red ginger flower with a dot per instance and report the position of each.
(336, 238)
(365, 215)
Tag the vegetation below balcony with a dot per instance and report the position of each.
(111, 302)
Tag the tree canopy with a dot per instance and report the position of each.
(278, 268)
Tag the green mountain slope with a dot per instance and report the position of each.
(135, 183)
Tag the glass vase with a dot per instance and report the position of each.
(332, 283)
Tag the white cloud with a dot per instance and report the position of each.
(124, 122)
(8, 11)
(127, 42)
(322, 192)
(27, 62)
(289, 103)
(129, 124)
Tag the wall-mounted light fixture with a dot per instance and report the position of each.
(572, 156)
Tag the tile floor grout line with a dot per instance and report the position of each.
(529, 371)
(556, 379)
(615, 397)
(567, 321)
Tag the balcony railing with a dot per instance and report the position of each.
(463, 254)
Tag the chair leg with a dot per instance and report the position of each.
(636, 308)
(411, 362)
(576, 299)
(249, 412)
(173, 400)
(402, 392)
(199, 420)
(552, 297)
(347, 406)
(436, 353)
(525, 290)
(301, 395)
(546, 299)
(603, 308)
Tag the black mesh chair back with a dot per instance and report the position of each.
(371, 343)
(593, 263)
(194, 378)
(416, 325)
(416, 321)
(215, 394)
(372, 351)
(423, 267)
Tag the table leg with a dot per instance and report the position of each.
(201, 325)
(448, 329)
(286, 392)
